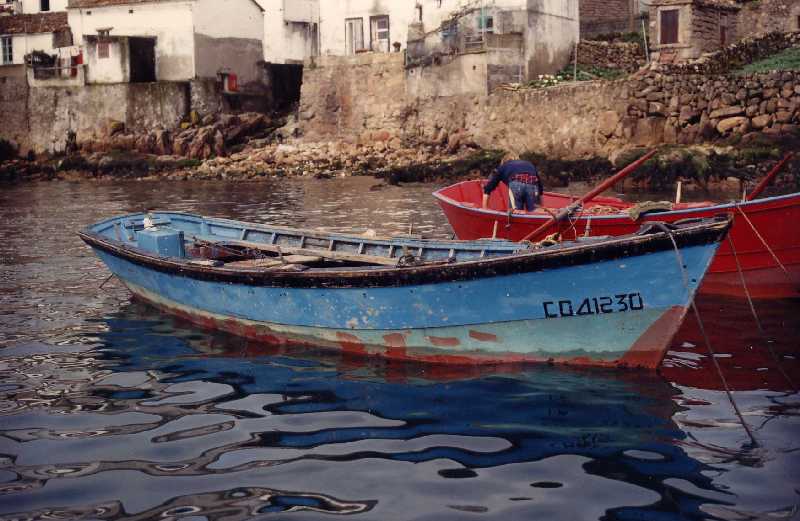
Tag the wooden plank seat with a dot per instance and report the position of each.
(274, 262)
(287, 251)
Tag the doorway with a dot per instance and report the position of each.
(143, 60)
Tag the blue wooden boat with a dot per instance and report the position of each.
(594, 301)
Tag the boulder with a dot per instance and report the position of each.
(730, 123)
(656, 109)
(727, 112)
(607, 123)
(762, 121)
(219, 144)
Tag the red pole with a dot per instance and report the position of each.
(770, 176)
(599, 189)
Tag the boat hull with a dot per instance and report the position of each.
(770, 220)
(608, 313)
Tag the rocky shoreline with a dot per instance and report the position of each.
(252, 148)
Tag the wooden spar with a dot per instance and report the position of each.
(769, 177)
(599, 189)
(289, 251)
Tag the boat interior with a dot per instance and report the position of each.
(470, 194)
(237, 245)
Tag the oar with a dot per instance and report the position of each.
(770, 176)
(599, 189)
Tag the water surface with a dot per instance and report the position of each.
(112, 410)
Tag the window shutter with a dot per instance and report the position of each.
(669, 26)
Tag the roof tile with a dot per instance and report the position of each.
(33, 23)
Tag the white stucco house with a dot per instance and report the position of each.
(168, 40)
(30, 25)
(540, 34)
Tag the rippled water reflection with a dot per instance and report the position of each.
(109, 409)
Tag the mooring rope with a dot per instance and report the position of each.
(758, 321)
(711, 352)
(777, 260)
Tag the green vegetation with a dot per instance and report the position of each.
(786, 60)
(483, 161)
(567, 74)
(630, 37)
(559, 172)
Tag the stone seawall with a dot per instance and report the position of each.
(612, 55)
(354, 96)
(366, 101)
(40, 118)
(14, 126)
(53, 112)
(695, 108)
(558, 122)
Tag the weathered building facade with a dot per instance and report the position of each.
(167, 40)
(31, 25)
(476, 46)
(608, 16)
(686, 29)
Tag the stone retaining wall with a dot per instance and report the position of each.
(87, 110)
(737, 55)
(368, 103)
(611, 55)
(13, 111)
(695, 108)
(766, 16)
(607, 16)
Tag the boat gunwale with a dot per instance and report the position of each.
(431, 273)
(722, 207)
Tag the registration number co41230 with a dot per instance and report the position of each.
(621, 303)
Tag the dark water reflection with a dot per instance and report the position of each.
(110, 410)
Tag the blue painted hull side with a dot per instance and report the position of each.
(445, 309)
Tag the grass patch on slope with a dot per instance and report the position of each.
(786, 60)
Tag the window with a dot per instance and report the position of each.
(418, 8)
(354, 35)
(669, 26)
(723, 36)
(44, 5)
(379, 33)
(103, 49)
(486, 23)
(7, 50)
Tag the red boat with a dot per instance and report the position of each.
(765, 234)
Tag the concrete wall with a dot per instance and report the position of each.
(13, 108)
(32, 6)
(23, 44)
(171, 23)
(334, 13)
(52, 112)
(287, 41)
(465, 74)
(229, 36)
(553, 29)
(347, 96)
(62, 79)
(607, 16)
(114, 69)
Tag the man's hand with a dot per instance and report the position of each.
(485, 203)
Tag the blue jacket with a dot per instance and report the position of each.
(521, 171)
